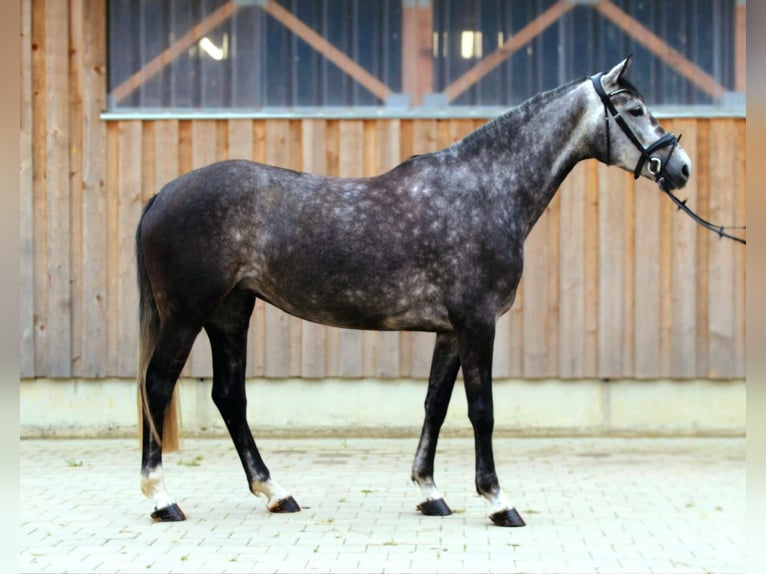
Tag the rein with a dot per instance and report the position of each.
(656, 165)
(719, 229)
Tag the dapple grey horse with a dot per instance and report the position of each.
(435, 244)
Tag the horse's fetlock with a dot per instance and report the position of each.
(487, 485)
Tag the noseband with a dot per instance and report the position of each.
(656, 165)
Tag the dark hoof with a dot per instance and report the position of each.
(507, 517)
(434, 507)
(170, 513)
(285, 505)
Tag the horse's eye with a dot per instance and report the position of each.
(636, 112)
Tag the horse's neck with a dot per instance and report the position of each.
(532, 149)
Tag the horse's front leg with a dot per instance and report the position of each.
(441, 381)
(475, 345)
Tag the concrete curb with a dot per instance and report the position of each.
(393, 408)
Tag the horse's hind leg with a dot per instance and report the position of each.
(227, 331)
(170, 353)
(441, 381)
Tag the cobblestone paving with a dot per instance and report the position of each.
(591, 505)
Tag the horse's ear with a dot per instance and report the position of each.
(612, 77)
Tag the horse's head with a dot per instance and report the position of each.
(633, 139)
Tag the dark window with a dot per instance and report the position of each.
(256, 55)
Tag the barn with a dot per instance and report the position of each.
(630, 318)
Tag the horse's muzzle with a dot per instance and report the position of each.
(674, 175)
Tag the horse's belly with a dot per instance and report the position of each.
(376, 308)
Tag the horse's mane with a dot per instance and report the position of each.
(517, 115)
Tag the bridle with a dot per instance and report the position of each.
(656, 165)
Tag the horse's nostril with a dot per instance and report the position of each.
(685, 171)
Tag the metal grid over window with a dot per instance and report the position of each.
(260, 55)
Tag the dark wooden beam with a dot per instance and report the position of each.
(660, 48)
(155, 65)
(321, 45)
(518, 40)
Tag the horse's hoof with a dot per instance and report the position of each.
(170, 513)
(434, 507)
(285, 505)
(507, 517)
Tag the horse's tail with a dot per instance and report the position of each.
(149, 327)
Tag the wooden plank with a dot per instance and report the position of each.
(165, 153)
(332, 147)
(552, 285)
(722, 253)
(536, 338)
(572, 295)
(59, 357)
(591, 271)
(517, 41)
(628, 347)
(313, 336)
(684, 267)
(739, 217)
(700, 204)
(612, 283)
(113, 185)
(665, 336)
(129, 206)
(424, 136)
(94, 200)
(239, 139)
(75, 98)
(221, 140)
(512, 325)
(541, 295)
(148, 161)
(26, 203)
(647, 293)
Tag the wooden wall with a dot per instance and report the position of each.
(617, 283)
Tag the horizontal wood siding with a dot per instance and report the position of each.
(618, 283)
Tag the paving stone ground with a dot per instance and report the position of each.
(608, 505)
